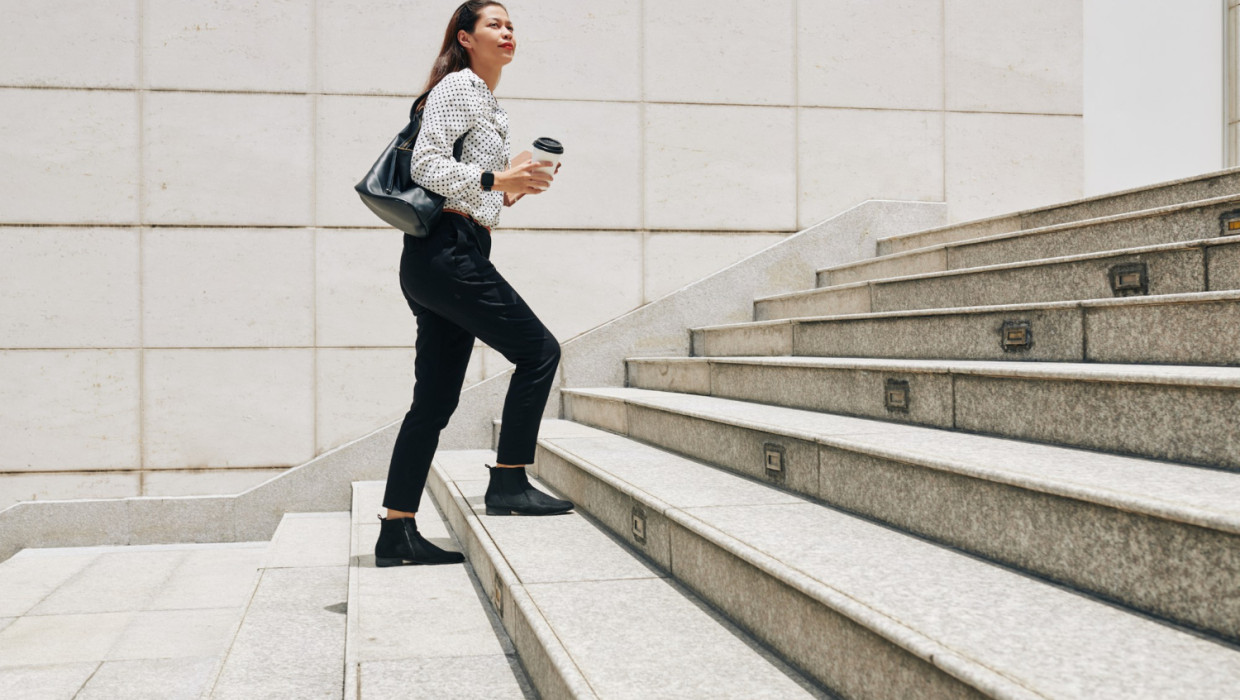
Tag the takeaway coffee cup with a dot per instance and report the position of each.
(549, 150)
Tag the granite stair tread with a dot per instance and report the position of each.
(592, 617)
(1159, 195)
(1214, 242)
(1003, 633)
(290, 640)
(1196, 495)
(1178, 375)
(415, 630)
(1158, 235)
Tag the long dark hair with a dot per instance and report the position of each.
(452, 56)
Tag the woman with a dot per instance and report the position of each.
(456, 294)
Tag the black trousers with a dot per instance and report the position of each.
(456, 295)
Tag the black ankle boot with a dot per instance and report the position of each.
(401, 543)
(510, 492)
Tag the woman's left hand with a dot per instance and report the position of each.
(511, 199)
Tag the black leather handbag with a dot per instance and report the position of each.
(389, 190)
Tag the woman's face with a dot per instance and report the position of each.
(493, 41)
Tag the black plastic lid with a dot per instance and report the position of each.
(549, 145)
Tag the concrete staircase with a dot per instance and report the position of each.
(1001, 466)
(997, 460)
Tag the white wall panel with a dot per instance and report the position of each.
(69, 287)
(1010, 56)
(861, 53)
(223, 408)
(68, 409)
(721, 51)
(999, 163)
(228, 44)
(228, 159)
(720, 167)
(37, 486)
(573, 280)
(850, 155)
(599, 185)
(360, 390)
(228, 287)
(69, 43)
(573, 50)
(70, 156)
(379, 46)
(202, 482)
(352, 132)
(673, 260)
(358, 298)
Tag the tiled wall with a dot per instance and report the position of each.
(192, 297)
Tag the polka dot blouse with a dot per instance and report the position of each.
(462, 102)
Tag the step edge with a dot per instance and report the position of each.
(1162, 509)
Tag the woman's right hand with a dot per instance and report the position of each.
(523, 178)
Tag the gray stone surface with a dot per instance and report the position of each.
(845, 299)
(59, 524)
(180, 519)
(973, 334)
(652, 638)
(45, 682)
(481, 677)
(163, 634)
(289, 642)
(1191, 189)
(150, 679)
(219, 576)
(1178, 223)
(310, 539)
(1224, 265)
(1171, 271)
(114, 581)
(992, 627)
(761, 338)
(54, 639)
(683, 377)
(32, 574)
(1160, 537)
(1195, 425)
(899, 265)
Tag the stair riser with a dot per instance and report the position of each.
(546, 663)
(1205, 188)
(1170, 569)
(934, 260)
(1169, 272)
(1190, 334)
(1193, 425)
(827, 645)
(1175, 227)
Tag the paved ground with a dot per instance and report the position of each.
(147, 621)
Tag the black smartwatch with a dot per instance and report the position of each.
(488, 180)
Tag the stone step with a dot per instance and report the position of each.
(420, 631)
(591, 618)
(1163, 194)
(1173, 412)
(1190, 329)
(1176, 224)
(290, 641)
(865, 609)
(1154, 536)
(1173, 268)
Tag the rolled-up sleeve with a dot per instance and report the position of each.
(451, 110)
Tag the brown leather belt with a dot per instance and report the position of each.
(467, 215)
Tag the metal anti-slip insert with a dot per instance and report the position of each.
(1130, 279)
(774, 456)
(1229, 223)
(1015, 336)
(497, 594)
(639, 524)
(896, 395)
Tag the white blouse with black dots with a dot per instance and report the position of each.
(462, 102)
